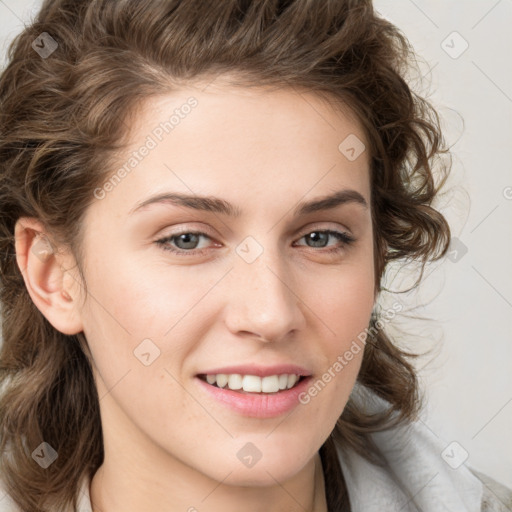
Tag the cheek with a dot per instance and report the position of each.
(344, 299)
(141, 300)
(344, 307)
(143, 320)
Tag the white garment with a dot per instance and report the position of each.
(416, 479)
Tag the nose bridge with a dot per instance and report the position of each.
(263, 301)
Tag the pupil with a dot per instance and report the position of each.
(186, 238)
(314, 237)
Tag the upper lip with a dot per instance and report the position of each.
(260, 371)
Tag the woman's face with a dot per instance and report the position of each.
(262, 286)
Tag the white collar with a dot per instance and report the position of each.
(416, 478)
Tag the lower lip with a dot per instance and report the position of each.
(258, 405)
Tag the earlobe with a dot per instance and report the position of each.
(44, 271)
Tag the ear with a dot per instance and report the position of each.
(51, 285)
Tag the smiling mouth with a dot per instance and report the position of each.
(252, 384)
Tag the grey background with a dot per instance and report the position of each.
(468, 296)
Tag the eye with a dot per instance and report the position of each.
(319, 237)
(187, 242)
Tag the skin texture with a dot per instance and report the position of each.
(168, 445)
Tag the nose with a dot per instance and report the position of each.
(264, 300)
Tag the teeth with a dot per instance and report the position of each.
(270, 384)
(253, 383)
(235, 381)
(222, 380)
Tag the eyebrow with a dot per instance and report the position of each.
(218, 205)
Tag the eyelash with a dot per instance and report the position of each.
(345, 238)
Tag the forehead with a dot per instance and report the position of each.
(249, 145)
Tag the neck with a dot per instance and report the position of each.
(112, 490)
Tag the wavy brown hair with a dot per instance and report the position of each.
(64, 116)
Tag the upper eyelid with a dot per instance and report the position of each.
(302, 232)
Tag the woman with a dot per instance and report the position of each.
(198, 203)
